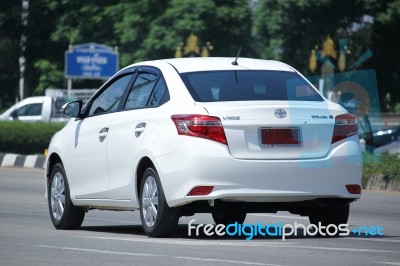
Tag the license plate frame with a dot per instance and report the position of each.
(287, 136)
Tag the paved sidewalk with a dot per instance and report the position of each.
(17, 160)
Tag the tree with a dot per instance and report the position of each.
(10, 30)
(287, 30)
(225, 24)
(385, 45)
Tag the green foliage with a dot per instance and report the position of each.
(384, 164)
(288, 29)
(26, 138)
(397, 108)
(226, 24)
(50, 76)
(285, 30)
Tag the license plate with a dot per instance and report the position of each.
(280, 136)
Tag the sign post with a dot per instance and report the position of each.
(90, 61)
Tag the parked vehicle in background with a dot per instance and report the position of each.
(374, 135)
(76, 94)
(225, 136)
(383, 135)
(39, 108)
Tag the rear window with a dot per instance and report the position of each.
(248, 85)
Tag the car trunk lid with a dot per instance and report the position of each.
(277, 129)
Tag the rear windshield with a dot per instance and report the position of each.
(248, 85)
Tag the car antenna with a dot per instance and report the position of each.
(235, 63)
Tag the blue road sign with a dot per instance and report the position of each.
(90, 61)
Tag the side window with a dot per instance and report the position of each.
(34, 109)
(157, 96)
(109, 99)
(141, 91)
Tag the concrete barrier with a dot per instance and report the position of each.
(26, 161)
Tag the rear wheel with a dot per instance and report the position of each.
(63, 213)
(229, 217)
(158, 219)
(332, 214)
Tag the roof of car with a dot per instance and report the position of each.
(193, 64)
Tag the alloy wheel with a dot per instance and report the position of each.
(150, 201)
(57, 200)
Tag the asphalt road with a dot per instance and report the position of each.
(27, 236)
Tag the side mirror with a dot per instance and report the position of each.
(72, 109)
(14, 115)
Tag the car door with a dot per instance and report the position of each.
(87, 164)
(129, 128)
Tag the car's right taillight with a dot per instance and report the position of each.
(201, 126)
(345, 126)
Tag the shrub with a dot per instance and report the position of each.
(384, 164)
(26, 138)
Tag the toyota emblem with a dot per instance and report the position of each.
(280, 113)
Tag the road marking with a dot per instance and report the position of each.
(156, 255)
(273, 244)
(193, 242)
(226, 261)
(374, 239)
(387, 262)
(343, 249)
(100, 251)
(279, 216)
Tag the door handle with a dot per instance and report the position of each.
(103, 133)
(139, 129)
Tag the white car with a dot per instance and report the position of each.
(36, 109)
(225, 136)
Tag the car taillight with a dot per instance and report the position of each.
(345, 126)
(201, 191)
(202, 126)
(354, 188)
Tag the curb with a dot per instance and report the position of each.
(26, 161)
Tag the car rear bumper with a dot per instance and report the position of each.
(210, 164)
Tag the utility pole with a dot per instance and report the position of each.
(22, 45)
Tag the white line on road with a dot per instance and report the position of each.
(100, 251)
(374, 239)
(387, 262)
(193, 242)
(343, 249)
(279, 216)
(273, 244)
(155, 255)
(226, 261)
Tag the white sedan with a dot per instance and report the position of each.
(176, 137)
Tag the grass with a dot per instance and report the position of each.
(385, 164)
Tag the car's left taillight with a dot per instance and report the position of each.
(345, 126)
(201, 126)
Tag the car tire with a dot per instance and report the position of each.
(63, 213)
(158, 219)
(331, 214)
(229, 217)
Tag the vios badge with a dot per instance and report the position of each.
(280, 113)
